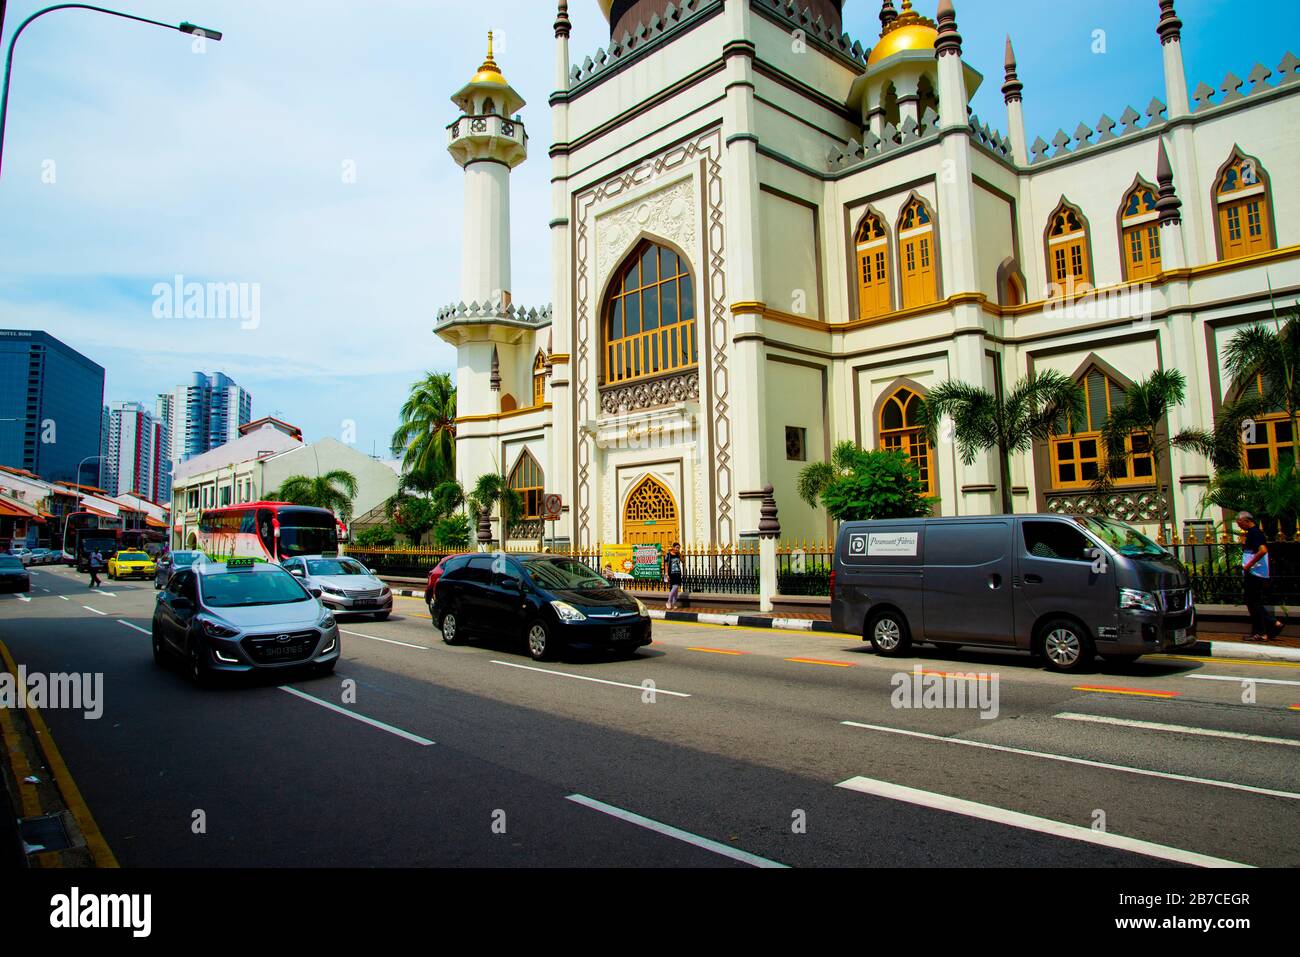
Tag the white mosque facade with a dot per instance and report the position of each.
(769, 237)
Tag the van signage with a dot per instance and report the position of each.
(884, 543)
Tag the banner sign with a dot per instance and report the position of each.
(632, 562)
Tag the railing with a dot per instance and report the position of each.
(801, 568)
(1214, 567)
(643, 354)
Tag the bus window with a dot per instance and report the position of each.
(266, 532)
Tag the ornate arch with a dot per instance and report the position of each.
(1011, 283)
(1137, 225)
(917, 236)
(649, 317)
(873, 265)
(528, 479)
(650, 513)
(1252, 197)
(895, 425)
(1067, 247)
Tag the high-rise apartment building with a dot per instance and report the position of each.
(203, 414)
(136, 460)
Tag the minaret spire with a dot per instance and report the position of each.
(1011, 94)
(888, 14)
(1170, 30)
(1168, 202)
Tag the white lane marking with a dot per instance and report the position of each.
(602, 681)
(95, 610)
(1041, 825)
(23, 597)
(423, 742)
(43, 588)
(108, 594)
(1181, 729)
(390, 641)
(668, 830)
(65, 598)
(1257, 681)
(1066, 759)
(143, 631)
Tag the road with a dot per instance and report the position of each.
(748, 748)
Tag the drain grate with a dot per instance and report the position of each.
(46, 833)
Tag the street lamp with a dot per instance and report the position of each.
(185, 27)
(88, 458)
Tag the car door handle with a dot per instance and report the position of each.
(995, 581)
(1033, 579)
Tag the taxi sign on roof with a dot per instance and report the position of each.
(237, 563)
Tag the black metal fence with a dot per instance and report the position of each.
(1215, 571)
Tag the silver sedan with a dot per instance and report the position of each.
(346, 586)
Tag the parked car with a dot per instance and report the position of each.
(346, 586)
(22, 553)
(241, 616)
(174, 561)
(550, 602)
(431, 585)
(13, 575)
(131, 564)
(1063, 587)
(40, 556)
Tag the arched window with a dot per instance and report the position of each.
(539, 378)
(1268, 446)
(1140, 233)
(1242, 201)
(489, 106)
(1078, 454)
(526, 479)
(901, 431)
(874, 295)
(916, 254)
(650, 515)
(1068, 261)
(650, 316)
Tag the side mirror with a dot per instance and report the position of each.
(316, 592)
(297, 573)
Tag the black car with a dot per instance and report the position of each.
(13, 575)
(550, 602)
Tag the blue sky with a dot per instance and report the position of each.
(227, 165)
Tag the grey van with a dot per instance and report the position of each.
(1063, 587)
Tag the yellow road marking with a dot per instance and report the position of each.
(1228, 661)
(18, 763)
(818, 661)
(831, 635)
(718, 651)
(1098, 689)
(95, 842)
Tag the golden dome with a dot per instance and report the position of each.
(910, 31)
(489, 72)
(605, 7)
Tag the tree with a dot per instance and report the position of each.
(860, 485)
(1271, 356)
(426, 438)
(376, 536)
(493, 492)
(334, 490)
(984, 421)
(452, 531)
(1144, 412)
(412, 516)
(1275, 497)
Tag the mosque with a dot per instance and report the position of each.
(769, 237)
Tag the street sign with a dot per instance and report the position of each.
(552, 506)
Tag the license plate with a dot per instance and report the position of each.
(285, 651)
(620, 634)
(1180, 636)
(365, 603)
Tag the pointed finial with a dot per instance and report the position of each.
(1170, 27)
(887, 15)
(1012, 88)
(563, 25)
(1167, 204)
(949, 39)
(496, 371)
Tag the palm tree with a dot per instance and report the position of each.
(1145, 409)
(984, 421)
(426, 438)
(490, 491)
(1270, 356)
(334, 490)
(814, 479)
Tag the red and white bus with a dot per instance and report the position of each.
(268, 531)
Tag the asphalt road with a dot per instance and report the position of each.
(750, 747)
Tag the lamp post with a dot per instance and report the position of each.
(186, 27)
(88, 458)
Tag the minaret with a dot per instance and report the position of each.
(887, 15)
(1011, 93)
(1170, 29)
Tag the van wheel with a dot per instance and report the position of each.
(889, 634)
(1066, 646)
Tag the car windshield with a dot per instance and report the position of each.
(7, 561)
(132, 557)
(307, 541)
(563, 573)
(335, 566)
(241, 588)
(184, 558)
(1125, 539)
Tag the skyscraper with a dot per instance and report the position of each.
(51, 401)
(135, 460)
(202, 414)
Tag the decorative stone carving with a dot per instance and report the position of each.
(1140, 507)
(670, 213)
(650, 393)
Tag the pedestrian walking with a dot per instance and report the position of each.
(1255, 575)
(96, 563)
(673, 574)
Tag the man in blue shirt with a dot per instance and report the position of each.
(1255, 569)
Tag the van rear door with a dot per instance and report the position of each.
(968, 572)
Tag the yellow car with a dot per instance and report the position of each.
(131, 565)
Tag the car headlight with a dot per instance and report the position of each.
(567, 612)
(216, 629)
(641, 609)
(1132, 598)
(327, 621)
